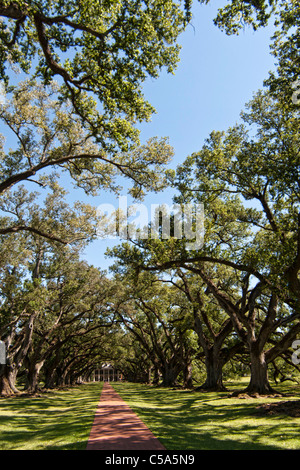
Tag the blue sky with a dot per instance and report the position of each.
(216, 76)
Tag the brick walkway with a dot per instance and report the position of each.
(117, 427)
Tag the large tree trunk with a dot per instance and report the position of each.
(9, 372)
(215, 357)
(50, 377)
(170, 372)
(62, 377)
(8, 376)
(169, 377)
(214, 371)
(187, 376)
(51, 371)
(33, 376)
(155, 380)
(259, 381)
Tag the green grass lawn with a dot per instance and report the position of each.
(185, 420)
(59, 420)
(182, 420)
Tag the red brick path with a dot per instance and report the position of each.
(117, 427)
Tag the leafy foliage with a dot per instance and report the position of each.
(101, 52)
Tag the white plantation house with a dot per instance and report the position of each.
(106, 373)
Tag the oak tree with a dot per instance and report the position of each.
(101, 52)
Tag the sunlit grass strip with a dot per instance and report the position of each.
(184, 420)
(59, 420)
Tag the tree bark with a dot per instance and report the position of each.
(170, 373)
(33, 376)
(15, 360)
(188, 376)
(215, 358)
(8, 376)
(214, 371)
(155, 375)
(50, 377)
(259, 381)
(12, 11)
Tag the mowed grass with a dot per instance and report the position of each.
(59, 420)
(188, 420)
(182, 420)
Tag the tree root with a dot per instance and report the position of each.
(271, 393)
(290, 408)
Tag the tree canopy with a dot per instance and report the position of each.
(233, 303)
(101, 53)
(248, 180)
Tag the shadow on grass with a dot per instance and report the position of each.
(185, 420)
(57, 420)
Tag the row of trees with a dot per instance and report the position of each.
(248, 180)
(166, 311)
(64, 317)
(56, 313)
(56, 316)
